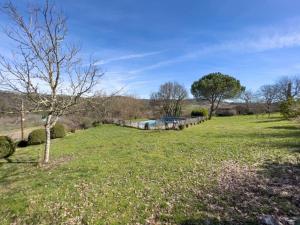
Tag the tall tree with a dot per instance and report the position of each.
(45, 67)
(216, 87)
(288, 88)
(169, 98)
(269, 94)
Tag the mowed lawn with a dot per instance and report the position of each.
(117, 175)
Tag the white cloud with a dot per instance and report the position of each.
(129, 56)
(256, 43)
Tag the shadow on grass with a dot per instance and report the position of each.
(8, 160)
(270, 120)
(289, 127)
(247, 196)
(13, 170)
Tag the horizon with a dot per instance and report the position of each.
(141, 44)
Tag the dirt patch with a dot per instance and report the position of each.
(57, 162)
(246, 195)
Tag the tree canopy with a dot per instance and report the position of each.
(216, 87)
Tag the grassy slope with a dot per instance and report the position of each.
(120, 175)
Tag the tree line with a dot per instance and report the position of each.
(217, 87)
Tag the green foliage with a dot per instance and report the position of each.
(216, 87)
(37, 137)
(58, 131)
(96, 123)
(181, 126)
(199, 112)
(86, 123)
(7, 147)
(290, 108)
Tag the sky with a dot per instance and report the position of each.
(140, 44)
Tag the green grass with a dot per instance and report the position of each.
(116, 175)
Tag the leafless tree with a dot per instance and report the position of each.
(169, 98)
(269, 96)
(44, 66)
(288, 87)
(247, 97)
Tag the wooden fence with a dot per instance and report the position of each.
(161, 124)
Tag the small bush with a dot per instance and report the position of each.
(37, 137)
(107, 121)
(290, 108)
(73, 130)
(181, 126)
(22, 144)
(58, 131)
(199, 112)
(86, 124)
(7, 147)
(146, 126)
(226, 112)
(187, 125)
(96, 123)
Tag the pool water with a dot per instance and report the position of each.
(150, 122)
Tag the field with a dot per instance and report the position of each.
(224, 171)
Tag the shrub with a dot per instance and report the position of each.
(86, 124)
(37, 137)
(7, 147)
(289, 109)
(96, 123)
(73, 130)
(58, 131)
(181, 126)
(187, 125)
(226, 112)
(146, 126)
(199, 112)
(22, 144)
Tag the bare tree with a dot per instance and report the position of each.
(44, 66)
(169, 98)
(269, 96)
(288, 87)
(247, 97)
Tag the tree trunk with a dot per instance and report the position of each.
(48, 136)
(269, 111)
(211, 111)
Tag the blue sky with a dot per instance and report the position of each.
(141, 44)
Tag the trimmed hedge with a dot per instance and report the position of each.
(7, 147)
(199, 112)
(181, 127)
(37, 137)
(58, 131)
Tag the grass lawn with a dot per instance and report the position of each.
(116, 175)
